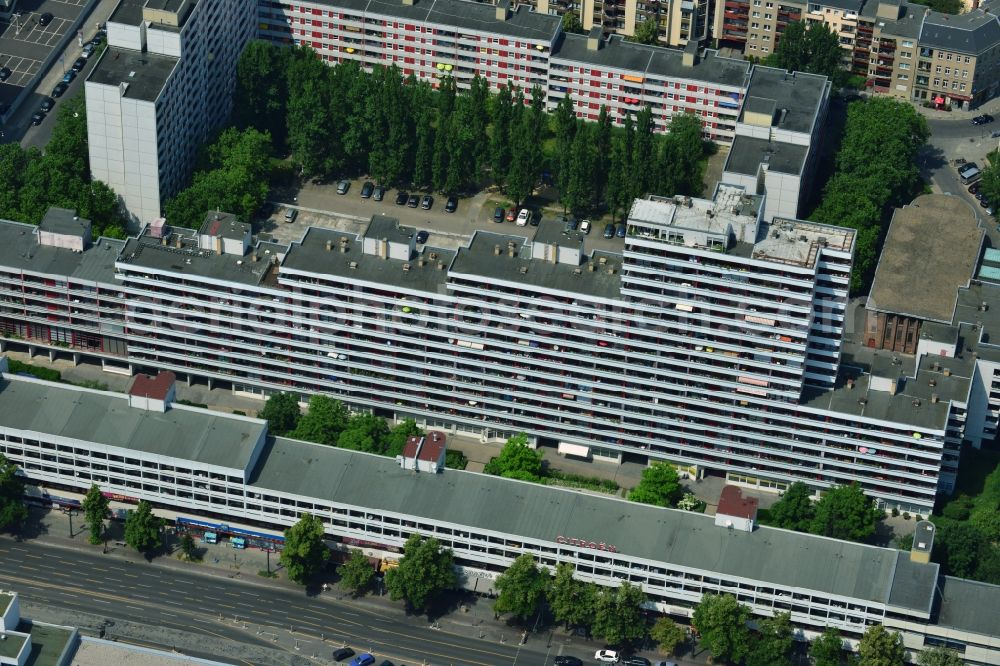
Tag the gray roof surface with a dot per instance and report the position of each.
(553, 232)
(972, 32)
(189, 260)
(913, 583)
(653, 60)
(383, 226)
(478, 259)
(64, 221)
(145, 73)
(682, 538)
(800, 93)
(747, 154)
(924, 261)
(310, 255)
(907, 26)
(128, 12)
(849, 5)
(48, 642)
(969, 605)
(476, 16)
(225, 225)
(19, 249)
(106, 418)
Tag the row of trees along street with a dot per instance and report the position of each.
(342, 121)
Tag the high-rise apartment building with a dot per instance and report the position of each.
(163, 85)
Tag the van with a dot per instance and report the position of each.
(970, 175)
(291, 214)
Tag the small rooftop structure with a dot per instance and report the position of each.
(387, 239)
(930, 251)
(61, 227)
(223, 233)
(923, 542)
(424, 454)
(736, 511)
(152, 393)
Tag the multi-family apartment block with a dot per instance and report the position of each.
(162, 86)
(713, 340)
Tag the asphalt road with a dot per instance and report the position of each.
(207, 606)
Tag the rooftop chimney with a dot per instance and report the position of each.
(690, 56)
(502, 10)
(595, 38)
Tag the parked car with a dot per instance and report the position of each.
(522, 217)
(412, 201)
(620, 231)
(974, 188)
(983, 119)
(37, 117)
(567, 660)
(585, 227)
(59, 89)
(47, 104)
(666, 663)
(511, 215)
(606, 656)
(367, 189)
(45, 19)
(401, 198)
(635, 661)
(343, 186)
(343, 653)
(609, 230)
(69, 76)
(984, 203)
(570, 224)
(88, 50)
(363, 659)
(536, 219)
(427, 202)
(5, 73)
(422, 236)
(995, 134)
(79, 64)
(378, 193)
(451, 205)
(498, 214)
(291, 214)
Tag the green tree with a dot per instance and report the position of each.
(722, 623)
(773, 643)
(517, 460)
(989, 184)
(939, 656)
(812, 48)
(364, 432)
(142, 528)
(845, 512)
(281, 411)
(13, 512)
(881, 647)
(643, 153)
(261, 94)
(668, 635)
(521, 588)
(827, 649)
(618, 617)
(313, 139)
(304, 553)
(795, 509)
(356, 573)
(502, 114)
(188, 548)
(95, 509)
(395, 441)
(681, 157)
(571, 23)
(960, 547)
(619, 187)
(660, 485)
(602, 147)
(322, 423)
(943, 6)
(577, 190)
(425, 571)
(647, 32)
(572, 601)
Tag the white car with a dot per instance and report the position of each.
(606, 656)
(585, 227)
(522, 217)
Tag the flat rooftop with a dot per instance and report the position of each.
(731, 210)
(795, 96)
(11, 647)
(799, 242)
(748, 153)
(5, 601)
(310, 255)
(686, 540)
(65, 222)
(101, 417)
(478, 259)
(19, 249)
(225, 225)
(388, 228)
(630, 57)
(48, 642)
(931, 250)
(191, 261)
(128, 12)
(553, 232)
(463, 14)
(969, 606)
(144, 73)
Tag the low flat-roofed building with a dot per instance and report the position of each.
(930, 252)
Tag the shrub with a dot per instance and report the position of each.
(906, 515)
(895, 512)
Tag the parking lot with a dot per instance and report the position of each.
(25, 44)
(320, 205)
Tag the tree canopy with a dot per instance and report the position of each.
(322, 423)
(989, 183)
(660, 485)
(142, 528)
(571, 23)
(773, 643)
(939, 656)
(881, 647)
(812, 48)
(618, 617)
(13, 512)
(281, 411)
(572, 601)
(721, 622)
(356, 573)
(426, 570)
(795, 509)
(646, 32)
(517, 460)
(305, 553)
(521, 588)
(95, 509)
(668, 635)
(845, 512)
(827, 649)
